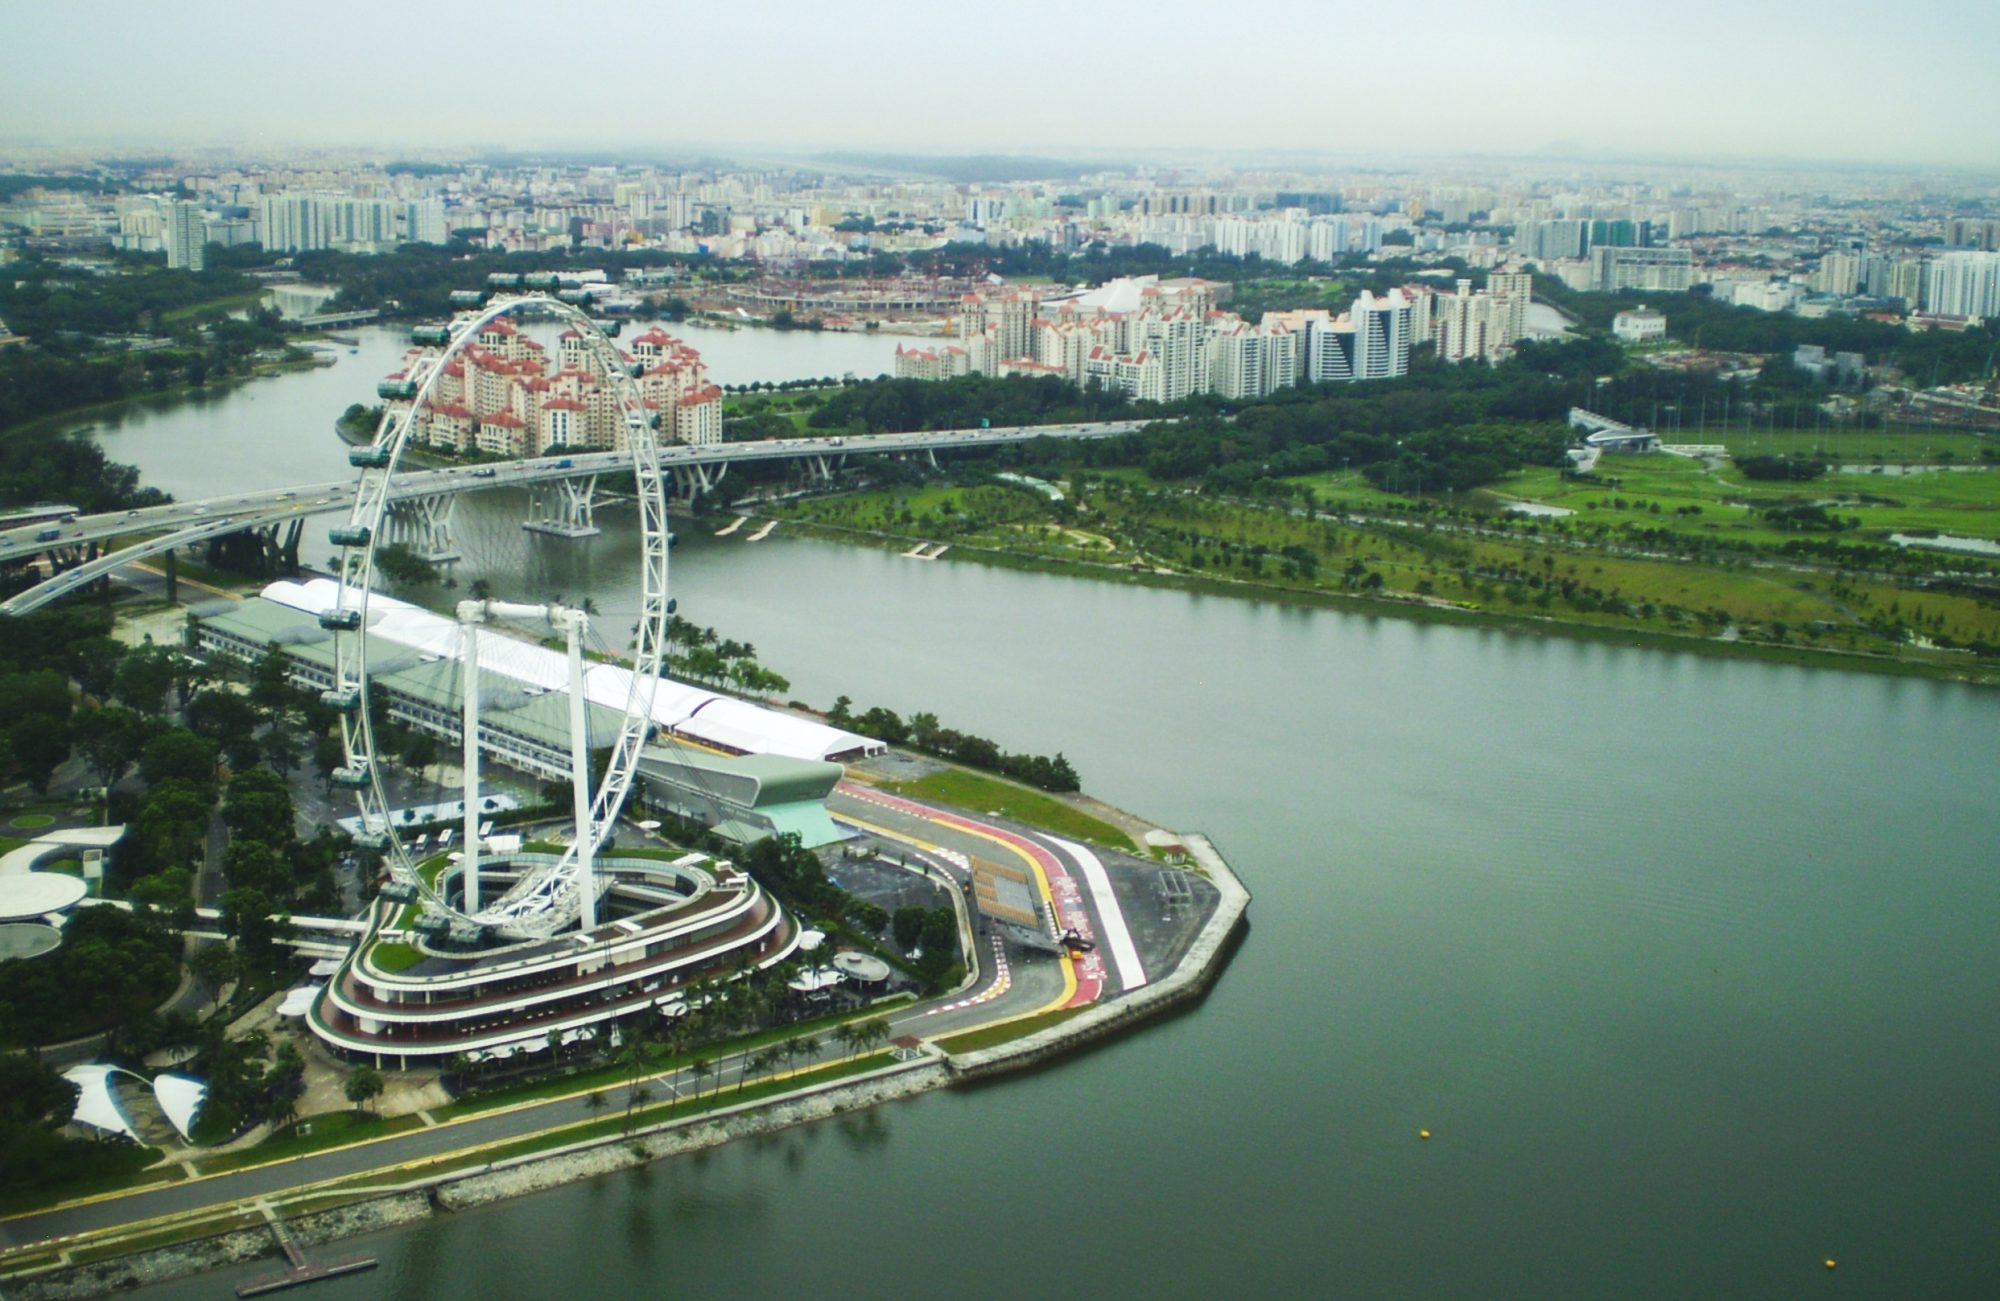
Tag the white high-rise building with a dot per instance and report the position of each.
(423, 222)
(1517, 289)
(1964, 284)
(1381, 335)
(297, 223)
(186, 234)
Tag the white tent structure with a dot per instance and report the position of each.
(699, 714)
(299, 1001)
(180, 1098)
(96, 1105)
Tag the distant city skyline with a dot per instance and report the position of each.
(1840, 82)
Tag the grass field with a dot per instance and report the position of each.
(1912, 445)
(1654, 544)
(976, 793)
(214, 307)
(1626, 488)
(329, 1129)
(974, 1040)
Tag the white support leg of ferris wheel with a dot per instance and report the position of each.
(470, 613)
(574, 622)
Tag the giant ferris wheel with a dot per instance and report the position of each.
(540, 899)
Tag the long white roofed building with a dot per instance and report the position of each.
(695, 713)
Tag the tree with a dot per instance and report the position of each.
(699, 1068)
(258, 807)
(639, 1096)
(213, 966)
(247, 919)
(109, 740)
(94, 662)
(421, 752)
(39, 744)
(284, 1083)
(144, 677)
(178, 752)
(595, 1102)
(271, 687)
(762, 1062)
(364, 1085)
(637, 1057)
(170, 831)
(228, 719)
(281, 750)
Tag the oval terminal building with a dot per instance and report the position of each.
(416, 992)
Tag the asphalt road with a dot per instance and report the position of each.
(1011, 982)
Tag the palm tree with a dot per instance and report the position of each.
(640, 1095)
(848, 1037)
(701, 1070)
(792, 1047)
(635, 1062)
(763, 1062)
(595, 1103)
(876, 1031)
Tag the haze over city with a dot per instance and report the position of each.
(1707, 81)
(1328, 648)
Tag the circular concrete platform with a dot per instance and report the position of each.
(27, 895)
(27, 940)
(864, 967)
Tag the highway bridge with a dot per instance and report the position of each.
(565, 485)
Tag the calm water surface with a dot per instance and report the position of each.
(1687, 963)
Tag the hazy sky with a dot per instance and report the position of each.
(1724, 79)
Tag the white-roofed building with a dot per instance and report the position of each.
(693, 712)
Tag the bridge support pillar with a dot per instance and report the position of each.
(563, 508)
(423, 524)
(281, 545)
(694, 479)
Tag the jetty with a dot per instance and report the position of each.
(302, 1270)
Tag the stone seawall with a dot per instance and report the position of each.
(545, 1170)
(418, 1199)
(217, 1250)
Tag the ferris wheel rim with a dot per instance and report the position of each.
(539, 901)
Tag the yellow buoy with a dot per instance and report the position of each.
(1423, 1133)
(1829, 1264)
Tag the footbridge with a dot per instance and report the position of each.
(562, 497)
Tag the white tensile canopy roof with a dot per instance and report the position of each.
(704, 715)
(299, 1001)
(180, 1097)
(95, 1105)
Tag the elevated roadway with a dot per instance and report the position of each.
(162, 528)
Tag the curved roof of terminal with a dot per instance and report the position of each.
(28, 895)
(396, 625)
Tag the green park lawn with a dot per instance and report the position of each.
(1965, 502)
(977, 793)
